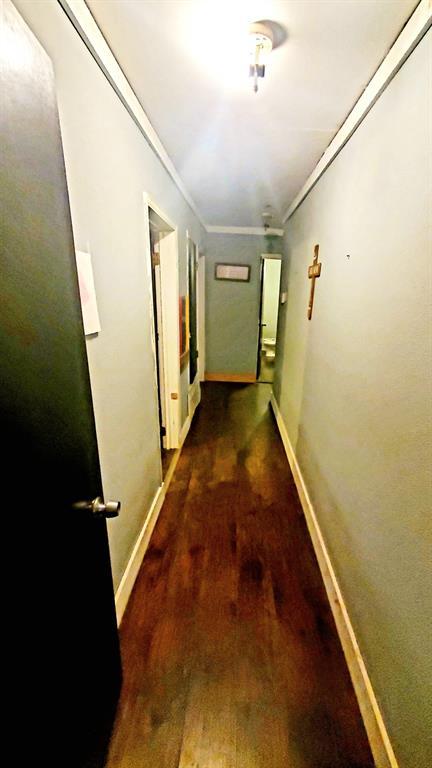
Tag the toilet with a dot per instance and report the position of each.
(269, 348)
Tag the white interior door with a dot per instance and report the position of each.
(160, 349)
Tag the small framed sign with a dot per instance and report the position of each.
(236, 272)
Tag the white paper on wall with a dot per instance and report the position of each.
(87, 293)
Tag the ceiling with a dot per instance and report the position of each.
(236, 151)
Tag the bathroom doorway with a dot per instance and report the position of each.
(268, 321)
(163, 253)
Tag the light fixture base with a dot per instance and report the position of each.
(263, 34)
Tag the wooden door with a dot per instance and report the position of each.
(193, 336)
(61, 621)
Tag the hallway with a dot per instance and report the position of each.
(230, 654)
(159, 159)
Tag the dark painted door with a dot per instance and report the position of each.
(61, 622)
(193, 340)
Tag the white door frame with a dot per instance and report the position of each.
(169, 331)
(265, 257)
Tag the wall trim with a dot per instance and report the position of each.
(379, 740)
(124, 590)
(244, 230)
(128, 579)
(411, 34)
(239, 378)
(85, 24)
(184, 430)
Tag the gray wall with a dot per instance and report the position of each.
(354, 389)
(109, 165)
(232, 309)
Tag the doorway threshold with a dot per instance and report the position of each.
(167, 457)
(266, 371)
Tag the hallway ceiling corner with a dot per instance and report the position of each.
(234, 151)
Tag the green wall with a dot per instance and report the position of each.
(232, 309)
(354, 389)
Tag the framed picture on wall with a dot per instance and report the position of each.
(239, 273)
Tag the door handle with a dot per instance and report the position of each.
(98, 507)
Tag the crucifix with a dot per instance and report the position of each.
(314, 271)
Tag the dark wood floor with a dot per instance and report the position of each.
(231, 657)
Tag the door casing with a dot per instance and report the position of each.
(264, 256)
(201, 314)
(169, 327)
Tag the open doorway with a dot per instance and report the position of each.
(196, 317)
(269, 310)
(164, 282)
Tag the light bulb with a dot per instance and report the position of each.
(261, 44)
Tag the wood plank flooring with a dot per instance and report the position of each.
(231, 657)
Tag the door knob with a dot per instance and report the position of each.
(98, 507)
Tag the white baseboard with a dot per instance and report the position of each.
(184, 431)
(381, 747)
(128, 579)
(127, 582)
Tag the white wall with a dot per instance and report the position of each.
(270, 308)
(354, 389)
(108, 166)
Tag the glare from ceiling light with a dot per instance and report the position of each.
(218, 42)
(225, 42)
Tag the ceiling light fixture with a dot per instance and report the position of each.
(261, 45)
(266, 217)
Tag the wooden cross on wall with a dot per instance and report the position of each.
(314, 271)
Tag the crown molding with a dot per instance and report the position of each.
(81, 18)
(411, 34)
(244, 230)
